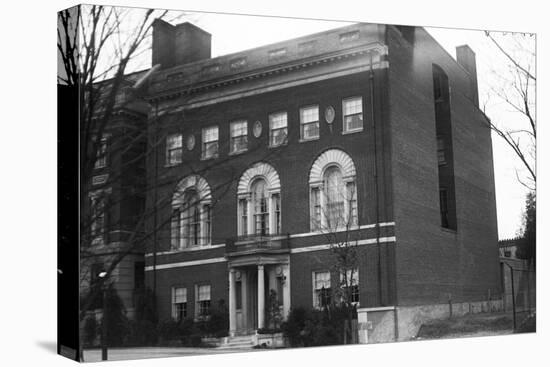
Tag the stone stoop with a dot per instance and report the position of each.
(237, 342)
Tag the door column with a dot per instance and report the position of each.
(261, 297)
(232, 303)
(244, 299)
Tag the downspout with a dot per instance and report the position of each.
(375, 174)
(155, 200)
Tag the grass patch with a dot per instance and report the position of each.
(464, 325)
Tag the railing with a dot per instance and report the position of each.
(258, 243)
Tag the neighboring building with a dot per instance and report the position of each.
(113, 197)
(523, 275)
(266, 157)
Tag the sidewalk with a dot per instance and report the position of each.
(118, 354)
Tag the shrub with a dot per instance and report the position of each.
(141, 333)
(90, 330)
(117, 323)
(317, 327)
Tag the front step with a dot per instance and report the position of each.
(238, 342)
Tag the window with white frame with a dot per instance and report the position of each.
(203, 300)
(321, 289)
(352, 109)
(191, 222)
(349, 284)
(333, 192)
(101, 154)
(259, 202)
(174, 149)
(309, 123)
(278, 131)
(179, 303)
(210, 142)
(239, 136)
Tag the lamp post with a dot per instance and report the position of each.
(103, 275)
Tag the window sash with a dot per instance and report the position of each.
(310, 130)
(210, 149)
(210, 134)
(179, 295)
(322, 280)
(203, 293)
(238, 128)
(277, 136)
(309, 114)
(239, 143)
(353, 106)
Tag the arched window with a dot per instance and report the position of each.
(333, 196)
(191, 214)
(259, 201)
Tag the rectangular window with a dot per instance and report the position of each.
(441, 151)
(277, 207)
(203, 300)
(179, 303)
(350, 285)
(174, 149)
(243, 208)
(352, 203)
(239, 136)
(101, 154)
(321, 289)
(97, 218)
(210, 142)
(309, 123)
(353, 114)
(315, 209)
(443, 207)
(278, 129)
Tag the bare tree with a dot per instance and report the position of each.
(514, 85)
(337, 220)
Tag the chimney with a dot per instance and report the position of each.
(467, 59)
(180, 44)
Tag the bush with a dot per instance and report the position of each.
(90, 330)
(306, 328)
(117, 323)
(141, 333)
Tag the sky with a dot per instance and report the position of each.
(233, 33)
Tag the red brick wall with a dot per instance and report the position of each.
(432, 262)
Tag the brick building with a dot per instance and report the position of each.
(266, 158)
(113, 196)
